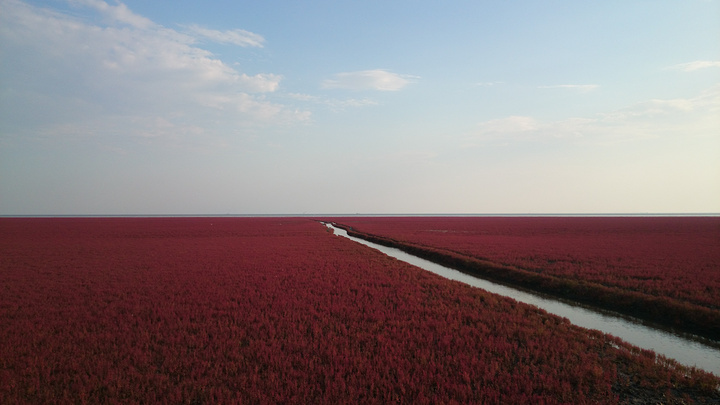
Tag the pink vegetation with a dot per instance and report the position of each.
(675, 257)
(278, 310)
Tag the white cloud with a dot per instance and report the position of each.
(583, 88)
(236, 37)
(488, 84)
(69, 71)
(523, 128)
(707, 103)
(697, 116)
(119, 13)
(336, 104)
(377, 79)
(302, 97)
(696, 65)
(333, 103)
(240, 102)
(260, 83)
(512, 124)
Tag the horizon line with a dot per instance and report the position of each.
(304, 215)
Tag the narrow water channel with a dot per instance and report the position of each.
(687, 351)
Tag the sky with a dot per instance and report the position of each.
(178, 107)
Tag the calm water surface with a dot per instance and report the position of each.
(684, 349)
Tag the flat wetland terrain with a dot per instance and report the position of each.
(279, 310)
(662, 269)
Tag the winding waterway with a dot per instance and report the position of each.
(691, 352)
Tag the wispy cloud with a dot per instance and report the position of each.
(337, 104)
(377, 79)
(334, 104)
(583, 88)
(696, 65)
(696, 116)
(118, 13)
(512, 124)
(302, 96)
(524, 129)
(487, 84)
(259, 83)
(235, 37)
(125, 68)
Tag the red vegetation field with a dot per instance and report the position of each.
(670, 264)
(278, 310)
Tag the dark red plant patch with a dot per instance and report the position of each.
(665, 269)
(278, 310)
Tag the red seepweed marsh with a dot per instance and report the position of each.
(209, 310)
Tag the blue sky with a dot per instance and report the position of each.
(186, 107)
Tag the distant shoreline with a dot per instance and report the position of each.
(320, 215)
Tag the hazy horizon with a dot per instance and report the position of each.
(371, 215)
(189, 108)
